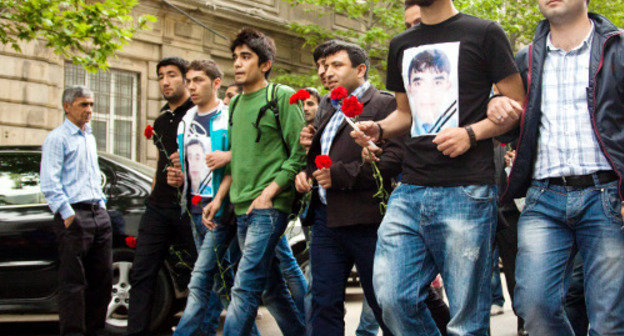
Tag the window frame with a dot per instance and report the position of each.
(109, 117)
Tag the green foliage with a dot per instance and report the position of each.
(520, 17)
(86, 32)
(377, 21)
(380, 20)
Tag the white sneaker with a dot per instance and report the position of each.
(496, 310)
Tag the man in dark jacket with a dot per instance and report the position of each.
(346, 214)
(570, 157)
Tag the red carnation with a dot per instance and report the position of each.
(300, 95)
(503, 145)
(195, 199)
(338, 93)
(149, 131)
(131, 242)
(352, 107)
(323, 161)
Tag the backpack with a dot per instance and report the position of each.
(272, 105)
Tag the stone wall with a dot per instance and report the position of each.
(32, 81)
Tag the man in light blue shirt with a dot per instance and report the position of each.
(71, 183)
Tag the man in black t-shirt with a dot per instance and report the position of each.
(162, 220)
(442, 218)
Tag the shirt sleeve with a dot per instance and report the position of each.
(394, 79)
(52, 156)
(499, 56)
(291, 119)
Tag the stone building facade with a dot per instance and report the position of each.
(128, 96)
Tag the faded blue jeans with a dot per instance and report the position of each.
(258, 276)
(211, 273)
(556, 222)
(431, 230)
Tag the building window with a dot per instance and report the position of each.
(114, 119)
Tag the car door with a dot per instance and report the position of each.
(28, 253)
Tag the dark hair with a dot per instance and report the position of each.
(410, 3)
(238, 87)
(180, 63)
(259, 43)
(314, 93)
(429, 59)
(209, 67)
(357, 54)
(321, 50)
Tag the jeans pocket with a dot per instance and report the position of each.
(611, 203)
(532, 196)
(479, 193)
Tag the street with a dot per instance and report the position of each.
(23, 325)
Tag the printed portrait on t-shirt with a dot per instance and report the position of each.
(431, 84)
(196, 147)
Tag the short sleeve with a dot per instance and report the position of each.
(394, 80)
(499, 56)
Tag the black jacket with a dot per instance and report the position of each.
(350, 200)
(605, 97)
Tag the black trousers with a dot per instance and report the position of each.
(159, 228)
(85, 270)
(507, 242)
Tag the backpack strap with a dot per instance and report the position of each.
(233, 103)
(271, 104)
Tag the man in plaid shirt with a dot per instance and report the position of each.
(569, 158)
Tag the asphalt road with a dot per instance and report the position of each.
(44, 325)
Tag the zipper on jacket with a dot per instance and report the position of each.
(592, 115)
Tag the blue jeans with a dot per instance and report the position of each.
(258, 272)
(296, 282)
(556, 222)
(431, 230)
(497, 289)
(211, 274)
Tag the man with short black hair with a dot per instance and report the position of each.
(266, 156)
(231, 91)
(163, 221)
(72, 185)
(343, 209)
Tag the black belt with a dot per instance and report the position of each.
(86, 206)
(585, 181)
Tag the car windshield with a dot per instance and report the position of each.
(141, 168)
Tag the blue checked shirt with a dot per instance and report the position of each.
(567, 144)
(69, 169)
(332, 127)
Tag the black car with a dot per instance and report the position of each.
(28, 251)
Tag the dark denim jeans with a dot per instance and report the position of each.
(431, 230)
(333, 252)
(556, 222)
(258, 272)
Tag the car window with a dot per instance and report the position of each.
(19, 179)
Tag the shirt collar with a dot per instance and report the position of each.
(585, 44)
(184, 107)
(73, 129)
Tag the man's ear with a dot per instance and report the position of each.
(361, 70)
(216, 83)
(66, 107)
(266, 66)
